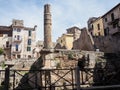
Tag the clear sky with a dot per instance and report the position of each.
(65, 13)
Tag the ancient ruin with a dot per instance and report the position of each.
(47, 27)
(58, 69)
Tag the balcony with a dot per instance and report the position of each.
(6, 47)
(17, 40)
(16, 51)
(114, 21)
(113, 31)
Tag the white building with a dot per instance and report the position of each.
(19, 40)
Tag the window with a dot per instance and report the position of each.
(92, 26)
(28, 48)
(98, 33)
(91, 33)
(29, 33)
(112, 16)
(98, 25)
(15, 22)
(29, 41)
(18, 56)
(41, 45)
(7, 44)
(18, 30)
(114, 25)
(16, 47)
(1, 35)
(29, 56)
(105, 19)
(14, 29)
(106, 31)
(18, 37)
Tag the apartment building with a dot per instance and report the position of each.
(111, 21)
(95, 26)
(90, 24)
(75, 31)
(18, 39)
(67, 39)
(6, 40)
(65, 42)
(108, 24)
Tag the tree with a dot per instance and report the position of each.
(1, 51)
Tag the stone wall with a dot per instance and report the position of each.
(107, 44)
(85, 42)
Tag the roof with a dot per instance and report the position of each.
(91, 19)
(28, 28)
(25, 28)
(67, 35)
(112, 9)
(97, 19)
(5, 28)
(74, 27)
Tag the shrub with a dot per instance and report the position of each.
(1, 51)
(3, 64)
(70, 56)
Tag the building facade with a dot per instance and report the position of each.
(106, 30)
(65, 42)
(6, 40)
(95, 27)
(111, 21)
(75, 31)
(67, 39)
(108, 24)
(20, 40)
(90, 25)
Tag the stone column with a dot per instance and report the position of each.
(47, 27)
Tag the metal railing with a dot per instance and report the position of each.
(63, 79)
(2, 76)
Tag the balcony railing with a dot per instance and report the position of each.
(116, 30)
(114, 21)
(16, 51)
(6, 46)
(17, 40)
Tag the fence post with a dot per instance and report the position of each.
(52, 87)
(7, 74)
(77, 78)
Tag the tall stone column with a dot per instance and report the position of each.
(47, 27)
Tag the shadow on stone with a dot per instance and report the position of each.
(107, 71)
(28, 81)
